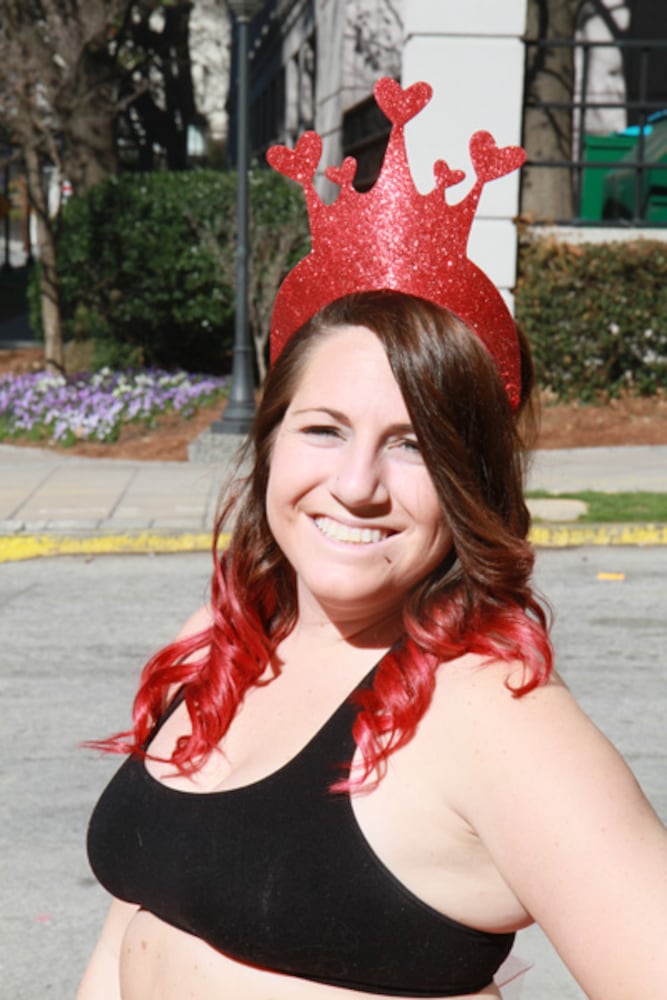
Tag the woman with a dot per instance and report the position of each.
(374, 607)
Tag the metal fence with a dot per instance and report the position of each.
(619, 176)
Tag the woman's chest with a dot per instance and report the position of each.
(280, 874)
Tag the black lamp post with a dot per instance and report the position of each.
(240, 408)
(6, 213)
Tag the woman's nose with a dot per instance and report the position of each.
(358, 478)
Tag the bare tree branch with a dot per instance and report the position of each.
(58, 105)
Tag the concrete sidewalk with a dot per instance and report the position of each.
(114, 505)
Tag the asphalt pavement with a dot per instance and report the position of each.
(74, 633)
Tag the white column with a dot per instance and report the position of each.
(330, 20)
(472, 55)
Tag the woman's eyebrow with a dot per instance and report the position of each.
(334, 414)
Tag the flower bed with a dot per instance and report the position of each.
(41, 406)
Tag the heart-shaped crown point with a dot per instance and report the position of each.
(399, 105)
(344, 174)
(300, 163)
(444, 176)
(491, 161)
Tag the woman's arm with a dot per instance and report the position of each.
(571, 832)
(101, 979)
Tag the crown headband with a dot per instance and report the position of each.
(395, 238)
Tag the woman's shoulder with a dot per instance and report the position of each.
(199, 621)
(536, 755)
(500, 735)
(474, 683)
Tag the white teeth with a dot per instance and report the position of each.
(342, 533)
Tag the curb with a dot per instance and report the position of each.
(560, 536)
(16, 548)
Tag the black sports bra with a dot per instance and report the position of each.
(277, 874)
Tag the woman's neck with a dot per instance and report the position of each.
(379, 629)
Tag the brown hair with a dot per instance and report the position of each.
(479, 599)
(459, 410)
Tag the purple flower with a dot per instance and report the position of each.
(94, 407)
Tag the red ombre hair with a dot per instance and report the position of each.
(480, 598)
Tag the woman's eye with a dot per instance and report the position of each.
(411, 446)
(321, 430)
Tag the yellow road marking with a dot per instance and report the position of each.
(553, 536)
(14, 548)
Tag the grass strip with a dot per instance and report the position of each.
(606, 508)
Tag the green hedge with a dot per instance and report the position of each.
(146, 265)
(595, 315)
(134, 275)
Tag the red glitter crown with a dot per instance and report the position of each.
(392, 237)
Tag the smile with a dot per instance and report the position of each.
(343, 533)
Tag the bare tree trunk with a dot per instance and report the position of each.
(87, 105)
(547, 193)
(166, 111)
(68, 69)
(54, 350)
(89, 153)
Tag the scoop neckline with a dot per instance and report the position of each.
(345, 705)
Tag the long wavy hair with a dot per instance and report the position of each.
(479, 599)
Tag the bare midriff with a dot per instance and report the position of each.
(158, 960)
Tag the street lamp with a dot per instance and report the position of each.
(5, 206)
(240, 407)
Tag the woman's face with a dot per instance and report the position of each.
(349, 499)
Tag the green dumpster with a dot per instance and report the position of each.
(605, 150)
(628, 194)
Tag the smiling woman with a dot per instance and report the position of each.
(346, 540)
(354, 773)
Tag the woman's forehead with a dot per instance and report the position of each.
(343, 349)
(348, 363)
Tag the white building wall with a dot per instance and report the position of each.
(298, 57)
(330, 18)
(358, 41)
(472, 55)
